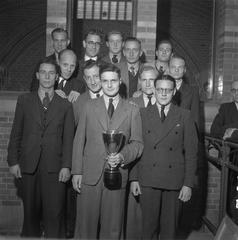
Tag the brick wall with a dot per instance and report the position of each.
(10, 203)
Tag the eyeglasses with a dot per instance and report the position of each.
(92, 44)
(164, 90)
(235, 91)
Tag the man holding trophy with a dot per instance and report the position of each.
(108, 137)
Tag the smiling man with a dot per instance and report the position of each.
(163, 177)
(40, 154)
(99, 205)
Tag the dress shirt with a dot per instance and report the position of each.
(62, 79)
(86, 58)
(146, 100)
(94, 95)
(115, 101)
(166, 109)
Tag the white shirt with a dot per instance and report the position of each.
(135, 66)
(146, 99)
(166, 109)
(94, 95)
(114, 102)
(86, 58)
(179, 83)
(62, 79)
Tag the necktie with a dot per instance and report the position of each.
(132, 70)
(98, 95)
(162, 114)
(114, 59)
(149, 102)
(46, 101)
(110, 109)
(61, 83)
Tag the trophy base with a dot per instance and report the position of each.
(112, 178)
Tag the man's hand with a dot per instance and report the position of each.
(228, 133)
(64, 175)
(136, 94)
(15, 171)
(113, 161)
(185, 194)
(61, 93)
(73, 95)
(135, 188)
(76, 181)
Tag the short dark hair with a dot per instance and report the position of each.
(93, 32)
(165, 77)
(109, 68)
(59, 30)
(89, 64)
(47, 61)
(132, 39)
(166, 41)
(113, 32)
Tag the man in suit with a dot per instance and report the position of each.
(164, 175)
(186, 96)
(68, 85)
(91, 43)
(94, 88)
(60, 41)
(225, 126)
(130, 70)
(40, 154)
(101, 206)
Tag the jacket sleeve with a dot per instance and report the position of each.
(134, 147)
(14, 146)
(68, 136)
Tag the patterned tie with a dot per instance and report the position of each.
(46, 101)
(97, 95)
(149, 102)
(132, 70)
(110, 109)
(114, 59)
(162, 114)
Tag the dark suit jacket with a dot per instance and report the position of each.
(189, 99)
(227, 117)
(79, 104)
(170, 148)
(89, 151)
(29, 139)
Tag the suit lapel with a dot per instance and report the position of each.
(53, 108)
(101, 112)
(35, 107)
(169, 123)
(119, 114)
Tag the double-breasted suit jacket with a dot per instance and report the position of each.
(89, 151)
(170, 148)
(30, 140)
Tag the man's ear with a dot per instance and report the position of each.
(37, 75)
(68, 42)
(84, 44)
(185, 69)
(107, 44)
(141, 52)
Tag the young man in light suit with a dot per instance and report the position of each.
(100, 205)
(164, 175)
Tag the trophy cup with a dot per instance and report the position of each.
(112, 141)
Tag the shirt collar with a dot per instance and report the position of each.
(115, 100)
(146, 100)
(135, 65)
(94, 95)
(118, 56)
(41, 94)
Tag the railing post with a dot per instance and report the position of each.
(224, 181)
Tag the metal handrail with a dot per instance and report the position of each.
(223, 161)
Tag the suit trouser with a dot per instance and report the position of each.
(160, 213)
(101, 211)
(44, 205)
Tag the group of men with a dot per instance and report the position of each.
(57, 135)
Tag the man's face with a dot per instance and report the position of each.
(92, 45)
(164, 52)
(92, 79)
(147, 79)
(132, 51)
(115, 43)
(234, 91)
(110, 83)
(177, 68)
(164, 91)
(60, 41)
(46, 75)
(67, 63)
